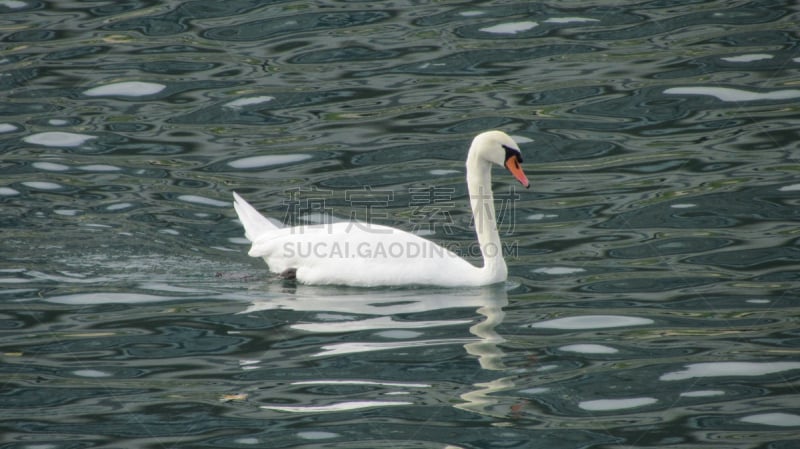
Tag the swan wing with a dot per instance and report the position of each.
(361, 254)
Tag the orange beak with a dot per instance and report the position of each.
(512, 164)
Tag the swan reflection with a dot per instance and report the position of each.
(394, 314)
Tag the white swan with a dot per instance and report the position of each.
(368, 255)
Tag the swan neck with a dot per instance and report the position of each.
(479, 185)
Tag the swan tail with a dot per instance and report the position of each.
(254, 223)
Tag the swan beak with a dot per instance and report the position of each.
(512, 164)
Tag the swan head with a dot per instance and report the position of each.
(499, 148)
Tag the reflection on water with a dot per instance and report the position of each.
(375, 315)
(655, 260)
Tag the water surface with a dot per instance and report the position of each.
(652, 297)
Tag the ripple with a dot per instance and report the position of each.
(702, 393)
(588, 348)
(778, 419)
(317, 435)
(125, 89)
(253, 162)
(13, 4)
(604, 405)
(721, 369)
(50, 166)
(107, 298)
(338, 407)
(363, 347)
(748, 58)
(58, 139)
(570, 20)
(248, 101)
(8, 128)
(659, 241)
(297, 23)
(735, 95)
(43, 185)
(557, 271)
(480, 62)
(99, 168)
(670, 246)
(510, 27)
(591, 322)
(91, 373)
(371, 323)
(197, 199)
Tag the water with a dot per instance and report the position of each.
(652, 298)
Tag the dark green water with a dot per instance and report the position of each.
(654, 265)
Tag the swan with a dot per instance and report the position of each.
(369, 255)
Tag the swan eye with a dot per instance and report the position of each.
(512, 152)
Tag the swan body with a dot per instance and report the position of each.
(367, 255)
